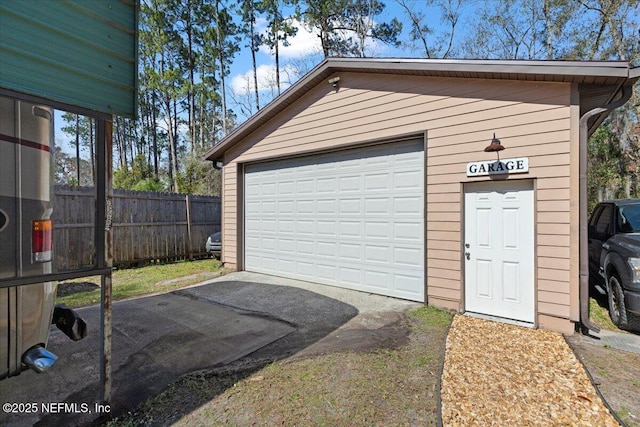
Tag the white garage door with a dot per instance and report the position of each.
(351, 218)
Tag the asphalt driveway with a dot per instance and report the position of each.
(159, 338)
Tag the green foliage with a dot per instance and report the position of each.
(186, 49)
(139, 176)
(133, 282)
(199, 176)
(606, 166)
(432, 317)
(345, 25)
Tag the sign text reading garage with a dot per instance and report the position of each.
(498, 167)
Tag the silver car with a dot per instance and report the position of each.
(214, 244)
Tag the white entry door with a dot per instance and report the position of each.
(499, 250)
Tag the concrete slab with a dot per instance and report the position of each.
(620, 340)
(157, 339)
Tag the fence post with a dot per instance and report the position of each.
(187, 201)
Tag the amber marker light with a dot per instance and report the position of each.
(41, 240)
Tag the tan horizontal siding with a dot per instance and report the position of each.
(452, 245)
(554, 263)
(442, 288)
(554, 182)
(476, 131)
(444, 226)
(443, 216)
(464, 156)
(553, 286)
(558, 310)
(554, 206)
(553, 274)
(553, 297)
(444, 235)
(553, 194)
(443, 188)
(554, 217)
(443, 198)
(441, 273)
(553, 240)
(532, 119)
(442, 254)
(553, 229)
(229, 216)
(553, 251)
(445, 264)
(539, 132)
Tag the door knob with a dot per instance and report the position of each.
(468, 255)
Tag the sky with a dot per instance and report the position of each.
(305, 47)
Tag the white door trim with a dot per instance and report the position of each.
(499, 263)
(353, 218)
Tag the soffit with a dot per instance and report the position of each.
(598, 81)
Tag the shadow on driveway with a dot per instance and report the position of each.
(160, 338)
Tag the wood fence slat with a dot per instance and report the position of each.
(147, 226)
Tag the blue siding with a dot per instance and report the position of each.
(79, 52)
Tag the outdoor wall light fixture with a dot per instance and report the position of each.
(334, 81)
(494, 146)
(218, 164)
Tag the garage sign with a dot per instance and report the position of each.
(498, 167)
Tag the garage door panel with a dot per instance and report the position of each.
(408, 231)
(326, 273)
(350, 275)
(305, 227)
(407, 205)
(407, 180)
(326, 249)
(350, 229)
(305, 207)
(352, 219)
(410, 257)
(327, 206)
(327, 228)
(377, 230)
(378, 181)
(287, 245)
(377, 206)
(350, 184)
(377, 279)
(377, 253)
(350, 207)
(305, 247)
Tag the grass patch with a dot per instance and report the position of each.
(428, 316)
(599, 315)
(134, 282)
(385, 386)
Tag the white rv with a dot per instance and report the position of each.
(26, 239)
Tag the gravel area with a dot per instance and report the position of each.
(499, 374)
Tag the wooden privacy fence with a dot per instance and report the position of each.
(147, 226)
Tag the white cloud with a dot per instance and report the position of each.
(303, 43)
(243, 83)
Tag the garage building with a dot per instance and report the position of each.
(383, 175)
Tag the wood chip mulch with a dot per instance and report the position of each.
(496, 374)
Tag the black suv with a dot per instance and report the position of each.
(614, 258)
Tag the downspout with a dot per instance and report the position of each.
(584, 227)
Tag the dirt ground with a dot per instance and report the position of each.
(616, 374)
(356, 376)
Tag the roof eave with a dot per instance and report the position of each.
(494, 69)
(215, 152)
